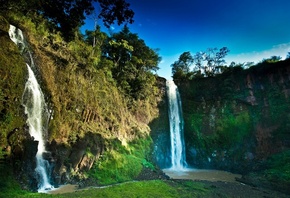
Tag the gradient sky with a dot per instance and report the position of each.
(251, 29)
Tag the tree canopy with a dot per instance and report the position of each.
(181, 67)
(133, 62)
(68, 15)
(203, 63)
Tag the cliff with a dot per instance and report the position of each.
(239, 120)
(94, 130)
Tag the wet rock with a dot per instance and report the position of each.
(75, 158)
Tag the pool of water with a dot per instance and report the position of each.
(202, 174)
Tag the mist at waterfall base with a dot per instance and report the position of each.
(36, 111)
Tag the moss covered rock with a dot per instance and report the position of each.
(12, 82)
(239, 118)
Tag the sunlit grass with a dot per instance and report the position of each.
(122, 163)
(145, 189)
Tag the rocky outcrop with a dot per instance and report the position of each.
(19, 148)
(160, 131)
(70, 161)
(237, 119)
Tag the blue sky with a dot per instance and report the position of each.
(251, 29)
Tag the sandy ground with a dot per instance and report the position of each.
(64, 189)
(202, 175)
(224, 184)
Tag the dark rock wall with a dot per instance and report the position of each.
(239, 118)
(19, 148)
(160, 131)
(70, 161)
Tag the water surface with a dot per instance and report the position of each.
(202, 174)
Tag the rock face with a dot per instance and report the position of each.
(237, 118)
(160, 131)
(19, 148)
(87, 109)
(75, 159)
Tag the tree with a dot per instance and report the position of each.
(115, 10)
(288, 55)
(133, 62)
(181, 67)
(207, 63)
(272, 59)
(215, 59)
(68, 15)
(96, 39)
(198, 60)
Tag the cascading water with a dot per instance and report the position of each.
(37, 114)
(179, 168)
(33, 101)
(178, 160)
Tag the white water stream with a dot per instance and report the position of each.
(179, 168)
(178, 160)
(37, 114)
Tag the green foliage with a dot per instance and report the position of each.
(117, 167)
(9, 187)
(85, 93)
(228, 129)
(67, 16)
(130, 63)
(142, 189)
(197, 188)
(122, 163)
(11, 64)
(272, 59)
(237, 117)
(181, 68)
(115, 10)
(208, 63)
(147, 164)
(133, 63)
(278, 167)
(232, 129)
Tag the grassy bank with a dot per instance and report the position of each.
(153, 188)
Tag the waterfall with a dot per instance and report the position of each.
(37, 114)
(178, 160)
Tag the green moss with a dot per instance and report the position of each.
(278, 167)
(142, 189)
(82, 95)
(122, 163)
(232, 129)
(118, 167)
(9, 187)
(12, 81)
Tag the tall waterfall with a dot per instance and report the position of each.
(37, 114)
(178, 160)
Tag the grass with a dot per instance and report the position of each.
(122, 163)
(279, 167)
(9, 187)
(145, 189)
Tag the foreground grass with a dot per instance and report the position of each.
(154, 188)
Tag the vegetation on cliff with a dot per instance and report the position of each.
(11, 64)
(102, 94)
(101, 97)
(238, 120)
